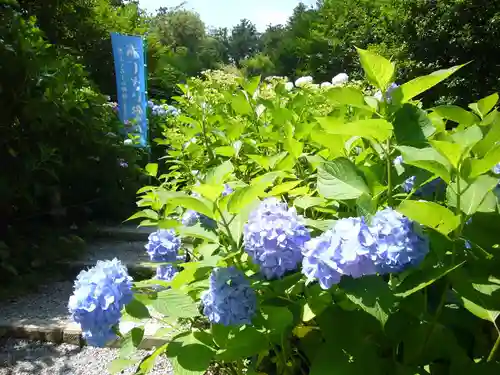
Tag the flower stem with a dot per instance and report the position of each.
(389, 177)
(493, 351)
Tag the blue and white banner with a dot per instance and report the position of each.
(130, 71)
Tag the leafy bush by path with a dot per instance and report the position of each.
(62, 158)
(338, 229)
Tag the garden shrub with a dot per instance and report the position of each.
(316, 229)
(62, 153)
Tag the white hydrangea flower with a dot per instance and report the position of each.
(289, 86)
(325, 85)
(378, 95)
(127, 142)
(303, 81)
(340, 79)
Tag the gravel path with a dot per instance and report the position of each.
(35, 358)
(128, 252)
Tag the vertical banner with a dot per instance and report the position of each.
(128, 52)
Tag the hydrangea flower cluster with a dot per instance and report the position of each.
(163, 246)
(304, 81)
(230, 300)
(347, 249)
(399, 241)
(162, 109)
(274, 237)
(388, 94)
(435, 186)
(390, 243)
(340, 79)
(496, 169)
(192, 217)
(166, 272)
(99, 295)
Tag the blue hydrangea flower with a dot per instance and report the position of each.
(496, 169)
(192, 217)
(230, 300)
(163, 246)
(346, 249)
(99, 295)
(274, 238)
(408, 184)
(398, 160)
(166, 272)
(227, 190)
(400, 242)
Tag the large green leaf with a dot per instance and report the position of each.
(479, 295)
(242, 343)
(176, 304)
(147, 363)
(283, 188)
(219, 174)
(378, 129)
(152, 169)
(189, 355)
(379, 71)
(480, 166)
(451, 151)
(131, 341)
(305, 202)
(197, 231)
(137, 309)
(485, 105)
(347, 96)
(431, 215)
(334, 142)
(371, 294)
(242, 198)
(277, 318)
(490, 139)
(420, 279)
(456, 114)
(189, 202)
(427, 158)
(240, 104)
(340, 179)
(412, 126)
(472, 195)
(416, 86)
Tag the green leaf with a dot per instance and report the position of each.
(379, 71)
(451, 151)
(152, 169)
(305, 202)
(175, 304)
(189, 355)
(456, 114)
(485, 105)
(283, 188)
(420, 279)
(416, 86)
(431, 215)
(197, 231)
(378, 129)
(277, 319)
(242, 343)
(147, 363)
(472, 195)
(347, 96)
(427, 158)
(147, 213)
(371, 294)
(480, 166)
(219, 174)
(490, 139)
(189, 202)
(137, 309)
(412, 126)
(240, 104)
(251, 84)
(479, 295)
(468, 138)
(119, 365)
(334, 142)
(225, 151)
(131, 341)
(340, 179)
(211, 192)
(294, 147)
(244, 197)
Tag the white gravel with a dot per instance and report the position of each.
(129, 252)
(35, 358)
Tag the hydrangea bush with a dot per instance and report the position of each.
(340, 237)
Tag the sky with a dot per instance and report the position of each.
(227, 13)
